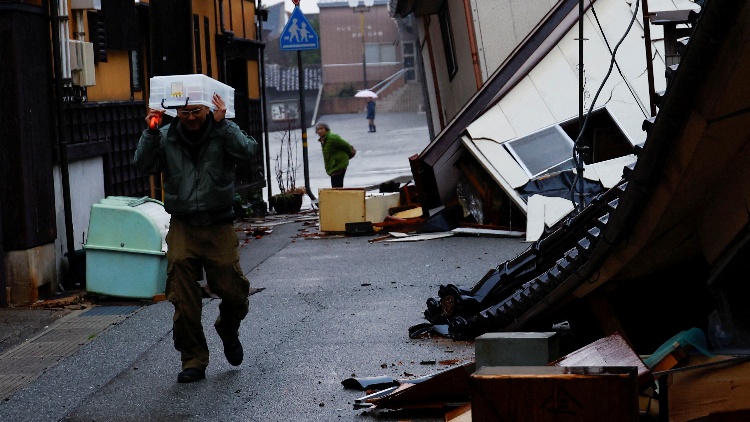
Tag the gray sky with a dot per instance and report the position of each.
(308, 6)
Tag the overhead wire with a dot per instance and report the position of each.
(627, 83)
(613, 53)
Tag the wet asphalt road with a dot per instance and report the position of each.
(330, 308)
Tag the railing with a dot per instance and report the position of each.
(385, 83)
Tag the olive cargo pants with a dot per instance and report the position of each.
(191, 250)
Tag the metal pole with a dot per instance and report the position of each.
(263, 103)
(303, 124)
(578, 147)
(364, 48)
(649, 58)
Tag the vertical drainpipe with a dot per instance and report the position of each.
(473, 44)
(62, 138)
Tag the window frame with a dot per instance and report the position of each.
(449, 46)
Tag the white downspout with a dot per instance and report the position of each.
(64, 29)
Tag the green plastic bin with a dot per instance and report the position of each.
(126, 248)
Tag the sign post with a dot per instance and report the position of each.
(299, 35)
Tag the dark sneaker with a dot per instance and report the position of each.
(191, 375)
(233, 351)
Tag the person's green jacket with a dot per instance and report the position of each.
(203, 184)
(335, 153)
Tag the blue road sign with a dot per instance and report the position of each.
(298, 34)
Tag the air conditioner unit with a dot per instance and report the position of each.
(82, 67)
(86, 4)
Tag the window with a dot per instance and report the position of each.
(547, 151)
(120, 21)
(446, 31)
(409, 60)
(136, 75)
(380, 53)
(98, 36)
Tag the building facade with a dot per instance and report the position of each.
(360, 46)
(76, 81)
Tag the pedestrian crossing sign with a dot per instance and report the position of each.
(298, 34)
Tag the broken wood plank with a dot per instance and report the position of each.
(708, 390)
(418, 237)
(467, 231)
(611, 351)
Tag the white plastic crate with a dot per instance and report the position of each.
(177, 90)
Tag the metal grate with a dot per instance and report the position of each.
(109, 310)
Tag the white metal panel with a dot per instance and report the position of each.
(609, 172)
(503, 162)
(550, 93)
(495, 38)
(660, 5)
(501, 25)
(535, 218)
(560, 92)
(544, 211)
(492, 125)
(526, 109)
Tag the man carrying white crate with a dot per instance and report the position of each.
(197, 154)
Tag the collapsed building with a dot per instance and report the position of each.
(662, 249)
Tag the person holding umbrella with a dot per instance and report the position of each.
(366, 93)
(371, 114)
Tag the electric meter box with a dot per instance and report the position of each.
(126, 247)
(170, 92)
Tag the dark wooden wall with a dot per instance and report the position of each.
(27, 193)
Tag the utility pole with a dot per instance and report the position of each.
(354, 4)
(294, 38)
(578, 148)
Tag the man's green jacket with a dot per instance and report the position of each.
(201, 184)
